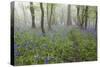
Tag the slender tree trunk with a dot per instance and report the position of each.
(78, 15)
(62, 16)
(54, 19)
(32, 14)
(82, 18)
(69, 15)
(42, 18)
(47, 13)
(78, 9)
(49, 23)
(96, 20)
(86, 17)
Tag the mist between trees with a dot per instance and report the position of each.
(44, 15)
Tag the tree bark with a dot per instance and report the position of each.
(49, 23)
(47, 12)
(78, 15)
(32, 14)
(69, 15)
(42, 18)
(82, 18)
(78, 9)
(96, 20)
(86, 17)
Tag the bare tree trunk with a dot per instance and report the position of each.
(86, 17)
(78, 9)
(42, 18)
(62, 16)
(69, 15)
(54, 19)
(47, 13)
(49, 23)
(32, 14)
(78, 15)
(96, 20)
(82, 18)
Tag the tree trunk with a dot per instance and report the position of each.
(49, 23)
(42, 18)
(32, 14)
(82, 18)
(86, 17)
(62, 16)
(96, 20)
(54, 19)
(78, 9)
(47, 13)
(69, 15)
(78, 15)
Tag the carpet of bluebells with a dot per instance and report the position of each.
(73, 46)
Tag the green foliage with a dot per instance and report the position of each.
(86, 45)
(33, 49)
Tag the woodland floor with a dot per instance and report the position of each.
(26, 43)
